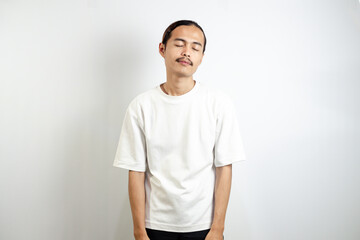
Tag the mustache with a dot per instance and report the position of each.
(184, 59)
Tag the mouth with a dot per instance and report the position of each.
(184, 62)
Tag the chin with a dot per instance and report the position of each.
(182, 74)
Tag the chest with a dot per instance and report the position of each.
(174, 126)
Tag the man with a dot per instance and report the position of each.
(179, 141)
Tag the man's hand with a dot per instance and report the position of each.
(137, 203)
(214, 235)
(141, 236)
(222, 194)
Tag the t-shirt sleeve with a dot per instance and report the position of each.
(131, 150)
(228, 143)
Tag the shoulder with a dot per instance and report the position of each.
(141, 99)
(217, 95)
(221, 102)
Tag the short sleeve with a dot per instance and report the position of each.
(131, 150)
(228, 143)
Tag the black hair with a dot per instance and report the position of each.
(167, 33)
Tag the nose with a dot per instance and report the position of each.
(186, 52)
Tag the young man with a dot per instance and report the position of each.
(179, 141)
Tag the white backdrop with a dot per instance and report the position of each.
(68, 70)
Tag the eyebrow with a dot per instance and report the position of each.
(182, 40)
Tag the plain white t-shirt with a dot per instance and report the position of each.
(178, 141)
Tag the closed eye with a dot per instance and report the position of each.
(195, 49)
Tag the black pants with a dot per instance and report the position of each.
(163, 235)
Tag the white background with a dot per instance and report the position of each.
(68, 70)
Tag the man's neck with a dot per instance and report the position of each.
(178, 86)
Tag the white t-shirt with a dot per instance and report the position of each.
(178, 141)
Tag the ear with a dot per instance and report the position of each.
(162, 49)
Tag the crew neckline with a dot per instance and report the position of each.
(180, 97)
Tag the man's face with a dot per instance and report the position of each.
(184, 51)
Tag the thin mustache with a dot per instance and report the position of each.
(180, 59)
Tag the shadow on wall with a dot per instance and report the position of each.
(121, 62)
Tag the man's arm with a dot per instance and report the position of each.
(222, 194)
(137, 203)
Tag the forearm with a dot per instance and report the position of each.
(137, 202)
(222, 194)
